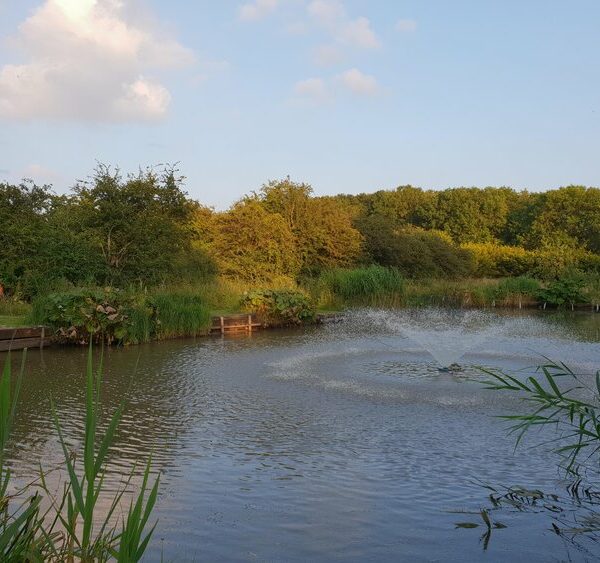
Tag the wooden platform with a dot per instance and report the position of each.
(24, 337)
(235, 323)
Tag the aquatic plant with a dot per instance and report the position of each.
(73, 527)
(179, 314)
(372, 285)
(574, 411)
(562, 399)
(112, 315)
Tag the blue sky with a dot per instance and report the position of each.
(350, 96)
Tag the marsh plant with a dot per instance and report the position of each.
(39, 524)
(567, 403)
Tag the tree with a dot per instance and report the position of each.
(415, 252)
(573, 214)
(23, 228)
(251, 244)
(322, 227)
(138, 225)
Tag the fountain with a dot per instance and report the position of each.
(447, 334)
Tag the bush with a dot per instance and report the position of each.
(565, 290)
(415, 252)
(279, 307)
(116, 316)
(85, 314)
(495, 260)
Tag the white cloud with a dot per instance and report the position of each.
(358, 33)
(332, 15)
(86, 60)
(358, 82)
(326, 12)
(257, 10)
(39, 173)
(312, 90)
(327, 55)
(406, 26)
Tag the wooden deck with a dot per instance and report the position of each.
(24, 337)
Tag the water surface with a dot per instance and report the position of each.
(342, 442)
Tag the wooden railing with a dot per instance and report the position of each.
(234, 323)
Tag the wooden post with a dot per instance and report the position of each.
(249, 324)
(222, 325)
(42, 337)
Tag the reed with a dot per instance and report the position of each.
(72, 528)
(179, 314)
(372, 285)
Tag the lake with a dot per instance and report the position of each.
(339, 442)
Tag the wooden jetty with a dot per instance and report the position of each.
(226, 324)
(24, 337)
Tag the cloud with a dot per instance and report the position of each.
(39, 173)
(257, 10)
(332, 15)
(86, 60)
(326, 12)
(358, 33)
(406, 26)
(313, 90)
(358, 82)
(327, 55)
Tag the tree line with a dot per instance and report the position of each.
(119, 230)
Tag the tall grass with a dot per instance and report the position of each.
(372, 285)
(11, 308)
(179, 314)
(72, 528)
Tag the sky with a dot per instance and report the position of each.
(349, 96)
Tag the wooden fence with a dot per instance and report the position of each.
(235, 323)
(25, 337)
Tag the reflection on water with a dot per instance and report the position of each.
(337, 443)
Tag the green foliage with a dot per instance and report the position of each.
(179, 314)
(116, 316)
(563, 291)
(556, 400)
(370, 285)
(86, 314)
(514, 291)
(251, 244)
(279, 307)
(550, 262)
(13, 307)
(415, 252)
(322, 228)
(112, 230)
(143, 230)
(72, 527)
(569, 213)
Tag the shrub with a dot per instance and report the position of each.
(565, 290)
(85, 314)
(415, 252)
(279, 307)
(116, 316)
(495, 260)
